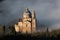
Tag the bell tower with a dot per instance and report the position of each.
(33, 22)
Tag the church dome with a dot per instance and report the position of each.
(27, 12)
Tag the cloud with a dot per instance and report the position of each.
(13, 9)
(47, 11)
(55, 26)
(1, 0)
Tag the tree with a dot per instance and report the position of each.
(47, 31)
(4, 28)
(12, 29)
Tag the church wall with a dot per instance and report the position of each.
(20, 26)
(28, 27)
(24, 28)
(16, 28)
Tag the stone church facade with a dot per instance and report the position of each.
(28, 22)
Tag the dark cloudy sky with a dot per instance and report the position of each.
(47, 11)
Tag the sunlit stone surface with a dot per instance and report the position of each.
(28, 23)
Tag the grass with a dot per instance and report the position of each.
(35, 36)
(54, 35)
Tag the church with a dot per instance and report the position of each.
(28, 22)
